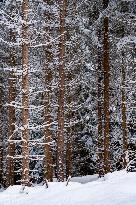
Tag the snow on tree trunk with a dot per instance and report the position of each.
(106, 91)
(69, 129)
(69, 158)
(60, 133)
(25, 95)
(1, 139)
(100, 127)
(124, 119)
(48, 162)
(11, 114)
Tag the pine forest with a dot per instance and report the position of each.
(67, 91)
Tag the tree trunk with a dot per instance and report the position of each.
(11, 113)
(25, 95)
(60, 134)
(106, 70)
(69, 147)
(100, 95)
(48, 162)
(69, 155)
(124, 119)
(48, 166)
(1, 139)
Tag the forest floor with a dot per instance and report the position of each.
(117, 188)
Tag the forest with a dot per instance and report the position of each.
(67, 90)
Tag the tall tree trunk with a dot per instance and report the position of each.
(60, 134)
(124, 119)
(69, 147)
(100, 95)
(48, 162)
(48, 137)
(25, 95)
(106, 70)
(11, 114)
(48, 166)
(1, 139)
(69, 96)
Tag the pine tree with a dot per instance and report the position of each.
(124, 118)
(100, 111)
(1, 139)
(106, 71)
(69, 140)
(25, 94)
(11, 112)
(60, 134)
(48, 166)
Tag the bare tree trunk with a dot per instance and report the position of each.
(70, 115)
(25, 95)
(124, 119)
(48, 137)
(60, 134)
(48, 162)
(69, 147)
(69, 155)
(106, 96)
(1, 139)
(12, 121)
(100, 127)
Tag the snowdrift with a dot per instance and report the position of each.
(118, 188)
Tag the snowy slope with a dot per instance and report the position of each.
(118, 188)
(85, 179)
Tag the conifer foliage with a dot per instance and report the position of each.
(67, 96)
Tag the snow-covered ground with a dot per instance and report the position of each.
(118, 188)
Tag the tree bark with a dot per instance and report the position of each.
(60, 134)
(69, 155)
(69, 147)
(100, 126)
(124, 118)
(25, 95)
(106, 70)
(48, 162)
(48, 136)
(1, 139)
(11, 113)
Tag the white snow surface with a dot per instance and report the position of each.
(85, 179)
(118, 188)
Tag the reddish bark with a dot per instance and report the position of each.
(25, 95)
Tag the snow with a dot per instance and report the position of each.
(125, 40)
(118, 188)
(85, 179)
